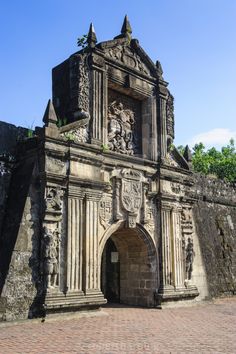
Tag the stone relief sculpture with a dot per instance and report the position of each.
(79, 135)
(54, 199)
(105, 211)
(170, 117)
(120, 129)
(79, 84)
(50, 254)
(128, 56)
(131, 191)
(189, 259)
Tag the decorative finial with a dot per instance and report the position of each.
(187, 154)
(50, 117)
(92, 39)
(159, 69)
(126, 29)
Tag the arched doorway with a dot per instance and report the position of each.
(129, 273)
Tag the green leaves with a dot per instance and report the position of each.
(82, 41)
(219, 163)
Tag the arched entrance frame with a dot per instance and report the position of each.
(144, 281)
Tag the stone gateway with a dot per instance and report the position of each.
(98, 205)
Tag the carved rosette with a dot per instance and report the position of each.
(120, 128)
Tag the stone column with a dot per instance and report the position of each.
(74, 244)
(167, 251)
(97, 104)
(91, 280)
(178, 260)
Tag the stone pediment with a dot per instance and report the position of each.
(175, 159)
(129, 54)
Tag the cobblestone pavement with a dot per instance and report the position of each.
(205, 328)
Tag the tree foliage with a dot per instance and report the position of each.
(213, 162)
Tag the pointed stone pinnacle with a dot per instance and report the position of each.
(50, 117)
(159, 69)
(92, 39)
(126, 28)
(187, 154)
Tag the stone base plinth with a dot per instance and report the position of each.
(73, 301)
(170, 294)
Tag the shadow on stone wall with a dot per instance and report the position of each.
(215, 226)
(15, 246)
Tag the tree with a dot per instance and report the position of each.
(219, 163)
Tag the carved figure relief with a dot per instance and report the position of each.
(50, 254)
(105, 211)
(187, 241)
(129, 57)
(54, 199)
(189, 259)
(120, 128)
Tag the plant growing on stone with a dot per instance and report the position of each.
(213, 162)
(82, 41)
(105, 147)
(69, 136)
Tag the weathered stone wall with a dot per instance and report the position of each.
(19, 221)
(9, 135)
(215, 222)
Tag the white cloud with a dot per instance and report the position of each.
(215, 137)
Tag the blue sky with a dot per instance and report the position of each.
(195, 41)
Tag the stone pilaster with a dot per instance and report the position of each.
(91, 280)
(178, 256)
(167, 251)
(75, 244)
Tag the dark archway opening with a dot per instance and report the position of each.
(110, 279)
(129, 268)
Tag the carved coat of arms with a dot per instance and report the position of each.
(131, 192)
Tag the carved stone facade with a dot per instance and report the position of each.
(114, 197)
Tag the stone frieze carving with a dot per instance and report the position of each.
(120, 129)
(170, 116)
(53, 199)
(50, 254)
(105, 211)
(79, 134)
(79, 83)
(129, 57)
